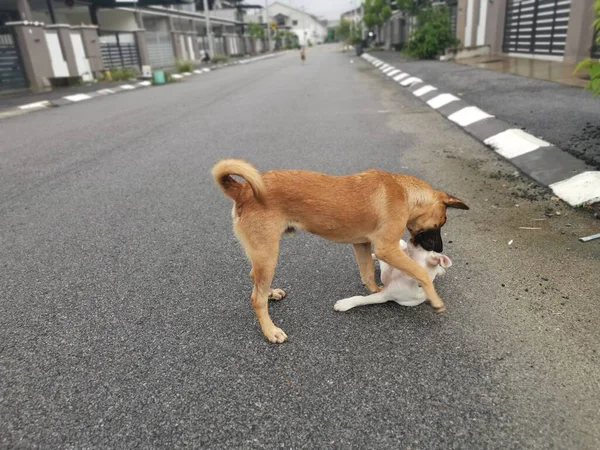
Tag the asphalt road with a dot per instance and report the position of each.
(125, 319)
(565, 116)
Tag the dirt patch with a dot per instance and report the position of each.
(586, 145)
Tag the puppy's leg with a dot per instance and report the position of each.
(362, 252)
(391, 254)
(359, 300)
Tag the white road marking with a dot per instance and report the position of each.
(77, 97)
(468, 116)
(580, 189)
(514, 142)
(410, 81)
(424, 90)
(441, 100)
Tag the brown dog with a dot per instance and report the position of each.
(372, 207)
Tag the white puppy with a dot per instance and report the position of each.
(398, 286)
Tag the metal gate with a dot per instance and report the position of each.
(536, 26)
(12, 75)
(160, 49)
(119, 49)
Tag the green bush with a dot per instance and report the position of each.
(433, 35)
(122, 73)
(184, 66)
(220, 59)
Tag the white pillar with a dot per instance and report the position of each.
(483, 7)
(469, 27)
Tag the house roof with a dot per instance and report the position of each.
(296, 9)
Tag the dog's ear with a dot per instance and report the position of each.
(452, 202)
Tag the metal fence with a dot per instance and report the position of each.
(12, 75)
(119, 49)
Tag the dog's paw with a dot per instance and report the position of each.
(343, 305)
(276, 294)
(275, 335)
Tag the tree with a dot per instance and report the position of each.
(375, 13)
(434, 33)
(255, 30)
(593, 66)
(343, 29)
(412, 7)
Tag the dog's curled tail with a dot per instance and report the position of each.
(222, 173)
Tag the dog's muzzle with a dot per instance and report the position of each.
(430, 240)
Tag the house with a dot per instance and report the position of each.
(45, 41)
(553, 30)
(308, 27)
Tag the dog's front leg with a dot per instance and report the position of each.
(391, 254)
(362, 252)
(360, 300)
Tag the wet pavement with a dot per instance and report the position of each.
(564, 115)
(532, 68)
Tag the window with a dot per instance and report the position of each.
(294, 22)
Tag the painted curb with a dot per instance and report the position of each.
(131, 86)
(569, 178)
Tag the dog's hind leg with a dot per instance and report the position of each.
(362, 252)
(262, 248)
(359, 300)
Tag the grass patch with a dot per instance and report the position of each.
(220, 59)
(184, 66)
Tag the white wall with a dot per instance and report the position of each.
(306, 25)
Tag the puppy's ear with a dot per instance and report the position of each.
(452, 202)
(437, 259)
(445, 262)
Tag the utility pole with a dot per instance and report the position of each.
(211, 47)
(267, 22)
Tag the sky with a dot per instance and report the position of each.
(331, 9)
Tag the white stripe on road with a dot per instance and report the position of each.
(105, 91)
(468, 116)
(384, 67)
(206, 69)
(514, 142)
(127, 86)
(401, 77)
(441, 100)
(42, 104)
(389, 69)
(393, 72)
(144, 83)
(410, 81)
(198, 72)
(424, 90)
(580, 189)
(77, 97)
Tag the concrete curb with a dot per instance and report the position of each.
(568, 177)
(125, 87)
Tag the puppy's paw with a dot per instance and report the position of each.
(275, 335)
(344, 304)
(276, 294)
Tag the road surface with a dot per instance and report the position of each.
(125, 319)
